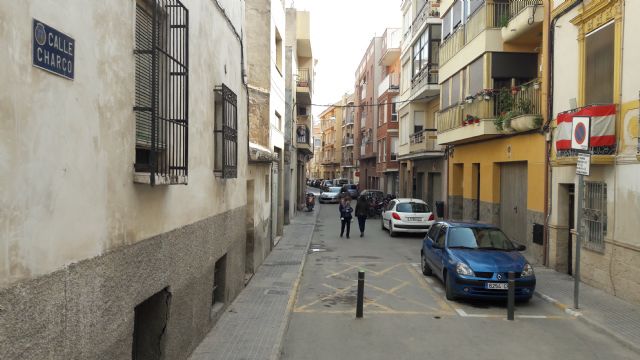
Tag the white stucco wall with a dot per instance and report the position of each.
(67, 148)
(277, 94)
(565, 63)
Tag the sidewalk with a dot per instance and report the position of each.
(254, 325)
(601, 310)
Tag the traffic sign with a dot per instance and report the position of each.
(580, 133)
(583, 166)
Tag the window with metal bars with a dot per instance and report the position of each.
(161, 91)
(226, 133)
(594, 214)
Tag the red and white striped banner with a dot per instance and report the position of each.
(603, 126)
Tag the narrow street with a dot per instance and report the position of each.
(406, 315)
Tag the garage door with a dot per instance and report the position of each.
(513, 200)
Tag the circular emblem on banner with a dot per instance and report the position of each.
(580, 133)
(40, 34)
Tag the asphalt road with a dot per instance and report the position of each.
(406, 315)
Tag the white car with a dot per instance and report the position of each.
(331, 196)
(407, 215)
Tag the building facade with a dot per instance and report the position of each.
(145, 168)
(299, 120)
(348, 163)
(314, 166)
(492, 108)
(594, 74)
(331, 126)
(368, 76)
(423, 166)
(387, 122)
(265, 32)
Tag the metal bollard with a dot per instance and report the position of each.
(511, 295)
(360, 299)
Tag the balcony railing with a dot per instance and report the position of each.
(429, 9)
(424, 141)
(303, 78)
(391, 40)
(363, 92)
(303, 135)
(429, 73)
(347, 141)
(488, 16)
(503, 104)
(391, 81)
(516, 6)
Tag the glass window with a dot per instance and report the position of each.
(416, 58)
(479, 238)
(434, 231)
(442, 236)
(456, 9)
(444, 94)
(412, 207)
(599, 65)
(476, 76)
(455, 88)
(418, 121)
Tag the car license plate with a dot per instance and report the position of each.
(497, 286)
(414, 218)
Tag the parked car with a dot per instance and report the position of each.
(473, 261)
(350, 189)
(407, 215)
(325, 185)
(330, 196)
(340, 182)
(316, 183)
(372, 194)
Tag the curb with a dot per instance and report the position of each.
(277, 349)
(588, 321)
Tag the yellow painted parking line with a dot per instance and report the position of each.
(421, 280)
(325, 297)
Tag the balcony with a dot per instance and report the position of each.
(363, 92)
(390, 82)
(347, 160)
(303, 33)
(602, 145)
(488, 16)
(390, 47)
(303, 86)
(303, 139)
(347, 141)
(425, 84)
(425, 142)
(490, 114)
(430, 9)
(525, 22)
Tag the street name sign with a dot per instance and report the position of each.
(53, 51)
(580, 133)
(583, 166)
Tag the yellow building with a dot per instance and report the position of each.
(594, 73)
(491, 111)
(331, 126)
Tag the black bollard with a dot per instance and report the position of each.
(360, 300)
(511, 295)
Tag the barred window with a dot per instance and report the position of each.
(161, 96)
(595, 214)
(226, 133)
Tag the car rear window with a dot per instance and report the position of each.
(412, 207)
(352, 187)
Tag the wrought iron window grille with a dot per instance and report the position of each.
(226, 133)
(161, 91)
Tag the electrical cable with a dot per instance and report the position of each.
(374, 104)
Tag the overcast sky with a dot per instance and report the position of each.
(340, 33)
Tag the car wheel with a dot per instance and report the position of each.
(391, 232)
(382, 224)
(426, 270)
(448, 288)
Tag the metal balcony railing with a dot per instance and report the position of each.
(303, 135)
(423, 141)
(303, 79)
(516, 6)
(390, 82)
(429, 9)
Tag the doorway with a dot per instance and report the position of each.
(513, 201)
(150, 326)
(250, 235)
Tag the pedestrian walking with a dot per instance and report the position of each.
(362, 208)
(345, 215)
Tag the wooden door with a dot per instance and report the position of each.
(513, 201)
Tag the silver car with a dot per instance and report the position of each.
(330, 196)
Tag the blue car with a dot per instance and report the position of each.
(473, 261)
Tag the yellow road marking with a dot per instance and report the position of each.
(443, 304)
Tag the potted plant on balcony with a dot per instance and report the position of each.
(469, 99)
(523, 118)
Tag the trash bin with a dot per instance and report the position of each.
(440, 209)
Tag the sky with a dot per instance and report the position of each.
(341, 31)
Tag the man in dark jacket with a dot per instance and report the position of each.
(345, 215)
(362, 208)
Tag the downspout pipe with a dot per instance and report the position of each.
(547, 125)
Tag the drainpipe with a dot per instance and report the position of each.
(546, 127)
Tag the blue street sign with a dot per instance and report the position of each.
(53, 51)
